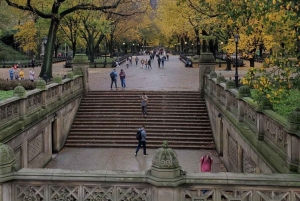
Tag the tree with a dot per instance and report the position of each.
(54, 11)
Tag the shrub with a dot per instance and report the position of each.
(6, 85)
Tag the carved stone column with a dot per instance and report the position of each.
(206, 65)
(240, 159)
(41, 84)
(260, 126)
(20, 92)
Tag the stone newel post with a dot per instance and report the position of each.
(206, 65)
(80, 65)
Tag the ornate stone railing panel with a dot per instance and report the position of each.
(77, 83)
(233, 151)
(233, 104)
(35, 146)
(52, 93)
(9, 111)
(248, 164)
(275, 134)
(33, 102)
(250, 116)
(222, 95)
(66, 87)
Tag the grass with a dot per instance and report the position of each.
(8, 53)
(6, 94)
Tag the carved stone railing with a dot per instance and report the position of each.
(264, 138)
(53, 184)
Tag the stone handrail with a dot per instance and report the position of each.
(277, 139)
(24, 108)
(55, 184)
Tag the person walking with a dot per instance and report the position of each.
(158, 61)
(146, 64)
(142, 141)
(142, 63)
(122, 79)
(31, 75)
(22, 74)
(144, 104)
(206, 163)
(136, 60)
(149, 64)
(11, 73)
(127, 62)
(113, 76)
(163, 62)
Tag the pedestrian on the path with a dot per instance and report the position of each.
(142, 63)
(22, 74)
(31, 75)
(122, 78)
(149, 64)
(146, 64)
(11, 73)
(206, 163)
(16, 74)
(142, 141)
(167, 57)
(130, 60)
(163, 62)
(127, 62)
(136, 60)
(113, 76)
(144, 104)
(158, 61)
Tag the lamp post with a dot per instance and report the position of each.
(192, 48)
(132, 48)
(124, 47)
(186, 49)
(236, 39)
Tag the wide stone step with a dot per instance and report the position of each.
(133, 106)
(151, 120)
(134, 141)
(132, 134)
(97, 116)
(149, 146)
(127, 103)
(154, 131)
(138, 113)
(149, 109)
(134, 126)
(141, 121)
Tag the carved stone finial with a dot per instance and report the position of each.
(294, 116)
(220, 79)
(165, 157)
(20, 91)
(230, 84)
(213, 74)
(70, 75)
(57, 79)
(41, 84)
(244, 91)
(7, 159)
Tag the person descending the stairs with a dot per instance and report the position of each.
(144, 104)
(113, 76)
(142, 141)
(122, 78)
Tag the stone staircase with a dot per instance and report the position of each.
(112, 118)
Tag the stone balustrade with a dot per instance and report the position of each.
(244, 128)
(54, 184)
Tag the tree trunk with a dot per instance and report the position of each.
(73, 48)
(46, 69)
(251, 62)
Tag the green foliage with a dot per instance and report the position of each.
(8, 53)
(285, 105)
(11, 84)
(6, 94)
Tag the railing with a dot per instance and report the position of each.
(268, 134)
(47, 184)
(14, 110)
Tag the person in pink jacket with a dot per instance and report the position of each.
(206, 163)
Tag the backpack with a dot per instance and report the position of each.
(139, 135)
(112, 75)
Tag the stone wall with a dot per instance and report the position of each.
(250, 137)
(37, 124)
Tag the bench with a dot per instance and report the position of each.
(68, 64)
(186, 61)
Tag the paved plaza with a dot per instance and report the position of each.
(172, 77)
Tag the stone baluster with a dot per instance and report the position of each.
(244, 91)
(80, 65)
(220, 79)
(70, 75)
(229, 85)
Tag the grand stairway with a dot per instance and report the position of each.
(111, 119)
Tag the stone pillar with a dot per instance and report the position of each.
(293, 142)
(20, 92)
(57, 134)
(41, 84)
(259, 126)
(80, 66)
(229, 85)
(244, 91)
(219, 144)
(240, 159)
(206, 65)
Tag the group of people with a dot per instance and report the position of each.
(15, 75)
(114, 76)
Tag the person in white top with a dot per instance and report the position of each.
(31, 75)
